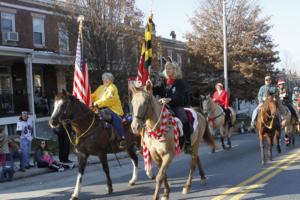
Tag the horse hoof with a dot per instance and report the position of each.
(109, 190)
(131, 183)
(164, 198)
(263, 162)
(185, 190)
(278, 149)
(213, 150)
(73, 198)
(203, 181)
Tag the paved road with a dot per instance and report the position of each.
(234, 174)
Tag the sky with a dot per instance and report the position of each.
(285, 17)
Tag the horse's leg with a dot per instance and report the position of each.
(161, 175)
(134, 160)
(166, 189)
(277, 139)
(201, 171)
(82, 159)
(230, 131)
(261, 144)
(187, 186)
(103, 159)
(270, 140)
(222, 133)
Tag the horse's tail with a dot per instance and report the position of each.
(208, 138)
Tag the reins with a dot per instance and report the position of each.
(75, 143)
(271, 123)
(212, 119)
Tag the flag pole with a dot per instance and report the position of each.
(80, 20)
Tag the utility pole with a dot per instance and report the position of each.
(225, 46)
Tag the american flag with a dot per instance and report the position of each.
(146, 55)
(81, 83)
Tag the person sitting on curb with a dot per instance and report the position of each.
(44, 159)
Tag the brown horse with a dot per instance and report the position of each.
(147, 114)
(92, 137)
(268, 127)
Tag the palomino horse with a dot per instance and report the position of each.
(268, 127)
(288, 123)
(91, 137)
(216, 119)
(148, 114)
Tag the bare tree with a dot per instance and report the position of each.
(251, 53)
(112, 31)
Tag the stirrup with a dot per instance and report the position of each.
(122, 144)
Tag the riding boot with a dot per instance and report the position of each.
(187, 133)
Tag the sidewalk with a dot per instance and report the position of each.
(37, 171)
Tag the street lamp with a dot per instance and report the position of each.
(225, 46)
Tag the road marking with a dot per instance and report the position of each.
(256, 176)
(259, 183)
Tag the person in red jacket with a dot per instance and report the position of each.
(221, 97)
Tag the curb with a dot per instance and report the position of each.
(39, 171)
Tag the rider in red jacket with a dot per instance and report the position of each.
(221, 97)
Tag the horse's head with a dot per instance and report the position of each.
(269, 108)
(206, 101)
(141, 104)
(63, 109)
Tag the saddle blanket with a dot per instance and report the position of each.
(195, 121)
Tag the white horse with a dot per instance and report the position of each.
(160, 142)
(216, 119)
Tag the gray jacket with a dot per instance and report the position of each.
(263, 91)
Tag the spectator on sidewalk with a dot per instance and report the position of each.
(24, 130)
(16, 153)
(45, 159)
(6, 165)
(63, 144)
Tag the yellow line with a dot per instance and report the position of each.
(265, 179)
(260, 174)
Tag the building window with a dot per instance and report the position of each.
(6, 91)
(179, 61)
(38, 31)
(63, 39)
(170, 52)
(8, 23)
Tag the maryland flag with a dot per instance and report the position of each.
(146, 55)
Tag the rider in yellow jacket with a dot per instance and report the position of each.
(106, 96)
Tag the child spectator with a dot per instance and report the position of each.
(44, 159)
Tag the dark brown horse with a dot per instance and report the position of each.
(268, 127)
(91, 137)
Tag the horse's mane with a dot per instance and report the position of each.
(73, 99)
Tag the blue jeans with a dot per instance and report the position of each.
(117, 123)
(254, 114)
(25, 146)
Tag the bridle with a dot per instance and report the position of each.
(272, 116)
(143, 116)
(212, 119)
(64, 123)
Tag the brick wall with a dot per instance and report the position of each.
(23, 21)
